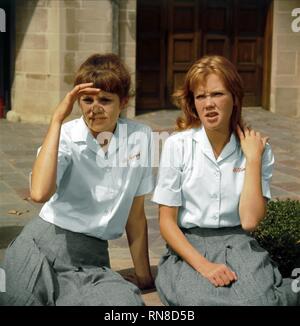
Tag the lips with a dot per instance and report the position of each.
(211, 115)
(99, 118)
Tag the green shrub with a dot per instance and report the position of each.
(279, 234)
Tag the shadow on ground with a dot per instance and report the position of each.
(7, 234)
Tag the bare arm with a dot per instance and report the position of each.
(137, 235)
(43, 179)
(252, 206)
(217, 274)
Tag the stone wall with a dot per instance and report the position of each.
(53, 38)
(285, 74)
(128, 44)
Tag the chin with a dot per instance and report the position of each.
(211, 126)
(94, 129)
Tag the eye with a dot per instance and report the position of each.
(105, 100)
(200, 97)
(87, 100)
(217, 94)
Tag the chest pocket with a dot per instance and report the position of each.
(105, 193)
(192, 162)
(134, 160)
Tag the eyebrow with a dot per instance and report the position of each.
(214, 90)
(103, 97)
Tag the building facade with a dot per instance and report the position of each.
(157, 39)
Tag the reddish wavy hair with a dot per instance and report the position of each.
(198, 72)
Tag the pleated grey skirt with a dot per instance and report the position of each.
(259, 280)
(47, 265)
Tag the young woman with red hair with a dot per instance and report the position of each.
(212, 189)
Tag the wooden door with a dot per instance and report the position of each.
(188, 29)
(215, 22)
(151, 54)
(7, 52)
(183, 41)
(249, 18)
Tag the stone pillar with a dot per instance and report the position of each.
(128, 44)
(285, 73)
(116, 26)
(53, 38)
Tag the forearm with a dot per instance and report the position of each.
(252, 206)
(137, 235)
(43, 180)
(179, 243)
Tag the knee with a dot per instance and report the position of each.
(127, 295)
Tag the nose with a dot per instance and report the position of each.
(208, 102)
(97, 108)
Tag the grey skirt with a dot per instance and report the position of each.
(48, 265)
(259, 280)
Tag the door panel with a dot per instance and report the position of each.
(182, 41)
(215, 23)
(249, 19)
(216, 45)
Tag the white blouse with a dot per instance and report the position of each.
(95, 190)
(206, 190)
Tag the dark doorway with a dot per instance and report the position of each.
(171, 34)
(7, 53)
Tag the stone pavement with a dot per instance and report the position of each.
(19, 142)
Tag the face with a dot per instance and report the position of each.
(214, 104)
(101, 111)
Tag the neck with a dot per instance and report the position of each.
(218, 140)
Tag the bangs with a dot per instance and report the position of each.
(106, 80)
(198, 78)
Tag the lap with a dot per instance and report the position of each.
(259, 281)
(96, 287)
(48, 273)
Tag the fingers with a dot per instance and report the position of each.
(223, 276)
(88, 90)
(214, 281)
(230, 275)
(79, 87)
(251, 132)
(240, 132)
(226, 277)
(219, 281)
(84, 88)
(265, 140)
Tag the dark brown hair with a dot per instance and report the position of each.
(107, 72)
(198, 72)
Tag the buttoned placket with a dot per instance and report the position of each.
(228, 150)
(108, 170)
(217, 195)
(105, 157)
